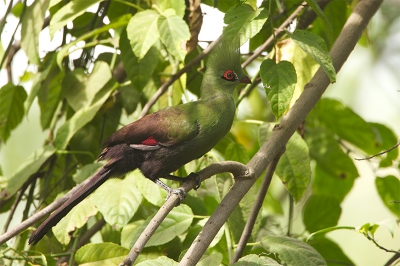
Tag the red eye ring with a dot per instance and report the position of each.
(229, 75)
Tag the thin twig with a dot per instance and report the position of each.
(255, 210)
(381, 153)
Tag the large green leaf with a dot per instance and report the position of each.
(68, 12)
(11, 108)
(279, 81)
(294, 167)
(142, 31)
(49, 96)
(389, 190)
(30, 166)
(384, 140)
(161, 261)
(76, 218)
(293, 251)
(236, 152)
(138, 71)
(65, 50)
(101, 254)
(41, 78)
(80, 89)
(328, 154)
(316, 47)
(345, 123)
(149, 190)
(82, 117)
(331, 251)
(175, 224)
(254, 259)
(177, 5)
(31, 26)
(324, 181)
(118, 200)
(174, 32)
(212, 259)
(315, 7)
(244, 21)
(321, 211)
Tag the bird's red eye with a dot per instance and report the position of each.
(229, 75)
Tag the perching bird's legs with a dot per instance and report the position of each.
(178, 191)
(185, 179)
(181, 194)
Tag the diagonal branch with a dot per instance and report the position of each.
(341, 50)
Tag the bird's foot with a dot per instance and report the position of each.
(181, 194)
(196, 177)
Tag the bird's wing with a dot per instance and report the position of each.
(163, 128)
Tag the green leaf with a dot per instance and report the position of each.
(244, 21)
(345, 123)
(41, 79)
(254, 259)
(161, 261)
(177, 5)
(76, 218)
(212, 259)
(328, 154)
(107, 254)
(139, 72)
(321, 211)
(174, 33)
(294, 167)
(49, 97)
(384, 140)
(236, 152)
(315, 7)
(86, 171)
(324, 182)
(151, 193)
(81, 118)
(176, 223)
(142, 31)
(389, 190)
(118, 200)
(130, 98)
(331, 251)
(30, 166)
(280, 80)
(122, 21)
(11, 108)
(316, 47)
(68, 13)
(293, 251)
(80, 89)
(31, 26)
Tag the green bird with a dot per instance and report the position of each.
(162, 142)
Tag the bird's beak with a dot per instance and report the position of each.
(246, 80)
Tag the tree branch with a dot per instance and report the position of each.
(40, 215)
(342, 48)
(237, 169)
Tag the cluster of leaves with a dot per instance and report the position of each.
(82, 101)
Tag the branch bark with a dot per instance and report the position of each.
(341, 50)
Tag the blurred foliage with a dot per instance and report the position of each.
(84, 100)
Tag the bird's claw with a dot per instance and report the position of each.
(181, 194)
(197, 178)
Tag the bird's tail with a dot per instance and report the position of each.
(95, 181)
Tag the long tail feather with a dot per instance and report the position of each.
(97, 180)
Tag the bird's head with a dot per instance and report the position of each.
(224, 71)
